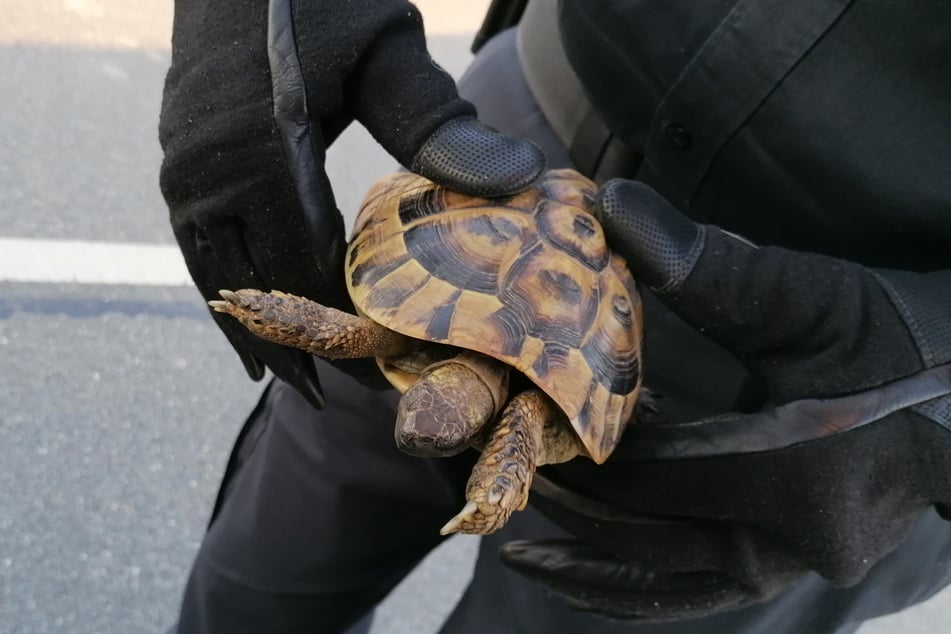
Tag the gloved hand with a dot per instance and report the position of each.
(256, 92)
(854, 445)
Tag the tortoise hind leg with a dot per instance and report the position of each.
(531, 432)
(298, 322)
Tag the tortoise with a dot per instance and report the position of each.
(453, 293)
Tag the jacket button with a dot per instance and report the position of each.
(678, 136)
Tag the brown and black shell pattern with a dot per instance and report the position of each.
(528, 280)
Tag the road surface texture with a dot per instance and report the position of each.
(119, 400)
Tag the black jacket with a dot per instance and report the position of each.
(818, 125)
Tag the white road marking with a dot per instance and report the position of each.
(87, 262)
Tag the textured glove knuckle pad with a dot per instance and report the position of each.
(470, 157)
(924, 301)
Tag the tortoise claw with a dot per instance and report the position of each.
(246, 299)
(462, 516)
(231, 296)
(230, 299)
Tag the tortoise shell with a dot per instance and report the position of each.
(528, 280)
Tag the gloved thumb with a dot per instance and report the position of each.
(785, 313)
(412, 108)
(661, 245)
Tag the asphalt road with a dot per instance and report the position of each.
(119, 402)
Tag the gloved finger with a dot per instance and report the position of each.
(305, 243)
(199, 255)
(287, 259)
(411, 106)
(792, 317)
(593, 582)
(303, 253)
(226, 264)
(233, 266)
(232, 331)
(249, 266)
(668, 543)
(295, 367)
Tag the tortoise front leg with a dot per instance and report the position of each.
(301, 323)
(531, 432)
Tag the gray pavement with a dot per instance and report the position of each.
(119, 404)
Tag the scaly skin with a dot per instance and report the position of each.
(531, 432)
(300, 323)
(446, 408)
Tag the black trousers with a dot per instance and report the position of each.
(320, 516)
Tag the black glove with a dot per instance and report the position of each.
(853, 446)
(255, 93)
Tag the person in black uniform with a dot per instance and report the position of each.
(798, 478)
